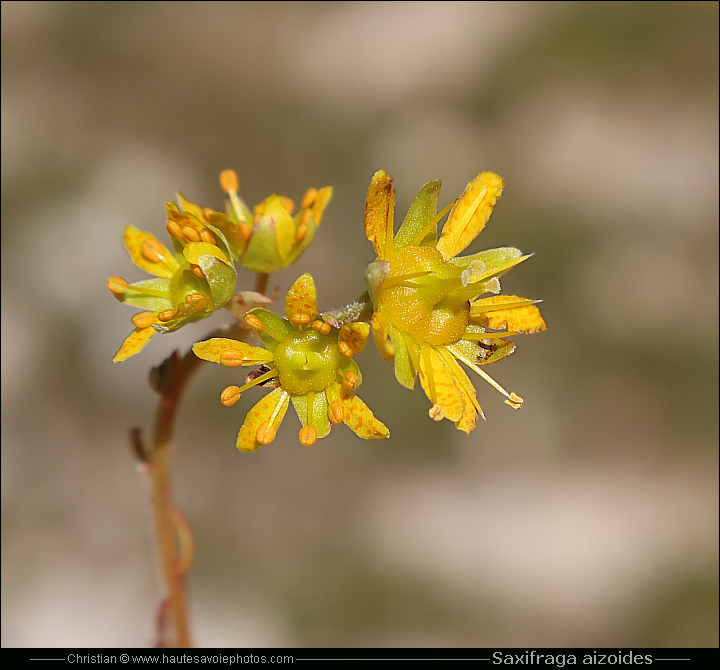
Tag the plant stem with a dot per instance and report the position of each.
(261, 281)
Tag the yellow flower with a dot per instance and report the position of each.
(269, 237)
(428, 313)
(310, 364)
(192, 281)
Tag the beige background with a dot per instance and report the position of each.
(587, 518)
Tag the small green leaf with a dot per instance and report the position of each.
(422, 211)
(221, 278)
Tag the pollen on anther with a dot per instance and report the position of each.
(166, 315)
(117, 285)
(321, 327)
(197, 271)
(152, 250)
(232, 358)
(287, 203)
(230, 395)
(229, 181)
(436, 413)
(308, 200)
(194, 297)
(301, 232)
(143, 319)
(349, 380)
(345, 349)
(175, 229)
(515, 401)
(265, 433)
(254, 322)
(207, 236)
(336, 413)
(307, 436)
(190, 234)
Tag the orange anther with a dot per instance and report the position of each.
(254, 322)
(244, 230)
(436, 413)
(230, 395)
(336, 413)
(345, 349)
(152, 250)
(309, 198)
(321, 327)
(166, 315)
(349, 380)
(190, 234)
(229, 181)
(266, 433)
(195, 297)
(175, 229)
(232, 358)
(143, 319)
(197, 271)
(287, 203)
(207, 236)
(301, 232)
(308, 436)
(117, 285)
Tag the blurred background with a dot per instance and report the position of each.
(589, 518)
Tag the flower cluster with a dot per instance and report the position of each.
(428, 308)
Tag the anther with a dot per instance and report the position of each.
(336, 413)
(229, 181)
(195, 297)
(345, 349)
(266, 433)
(515, 401)
(254, 322)
(309, 198)
(197, 271)
(301, 232)
(152, 250)
(190, 234)
(436, 413)
(300, 319)
(308, 436)
(232, 358)
(175, 229)
(207, 236)
(349, 380)
(244, 230)
(117, 285)
(230, 395)
(143, 319)
(166, 315)
(287, 203)
(321, 327)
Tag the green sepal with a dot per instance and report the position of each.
(422, 211)
(295, 252)
(184, 282)
(222, 242)
(490, 351)
(349, 365)
(405, 373)
(177, 323)
(136, 296)
(229, 230)
(497, 261)
(261, 253)
(319, 412)
(276, 328)
(221, 278)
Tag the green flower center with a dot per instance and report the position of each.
(306, 361)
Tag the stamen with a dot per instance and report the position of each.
(300, 319)
(469, 213)
(486, 336)
(230, 395)
(265, 433)
(436, 413)
(301, 232)
(117, 285)
(309, 198)
(412, 354)
(195, 297)
(308, 436)
(310, 406)
(349, 379)
(244, 230)
(336, 413)
(321, 327)
(197, 271)
(143, 319)
(254, 322)
(515, 401)
(345, 349)
(166, 315)
(175, 229)
(229, 181)
(259, 380)
(287, 203)
(152, 250)
(207, 236)
(399, 280)
(419, 238)
(190, 234)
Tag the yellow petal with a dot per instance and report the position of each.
(357, 415)
(470, 214)
(301, 301)
(438, 383)
(508, 312)
(133, 343)
(247, 354)
(191, 207)
(321, 201)
(135, 239)
(355, 335)
(377, 210)
(271, 408)
(471, 408)
(193, 251)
